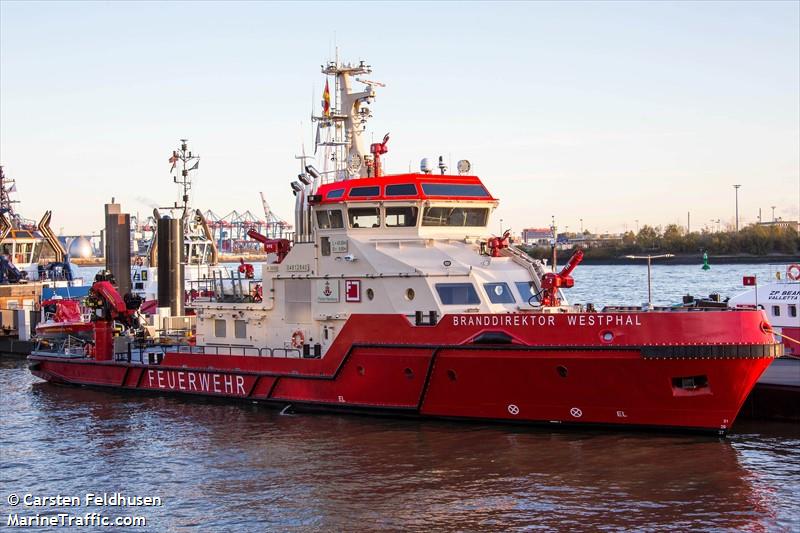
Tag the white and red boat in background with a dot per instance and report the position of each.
(63, 316)
(777, 392)
(394, 298)
(780, 300)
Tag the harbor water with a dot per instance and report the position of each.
(245, 467)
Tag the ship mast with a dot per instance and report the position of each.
(7, 186)
(343, 122)
(183, 178)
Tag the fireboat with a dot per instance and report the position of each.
(393, 298)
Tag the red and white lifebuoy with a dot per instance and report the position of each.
(298, 339)
(793, 272)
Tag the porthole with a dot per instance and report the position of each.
(409, 373)
(562, 371)
(451, 374)
(606, 336)
(410, 294)
(370, 294)
(361, 371)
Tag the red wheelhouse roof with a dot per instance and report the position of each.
(405, 187)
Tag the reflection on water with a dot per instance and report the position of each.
(232, 466)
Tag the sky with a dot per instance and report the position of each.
(617, 113)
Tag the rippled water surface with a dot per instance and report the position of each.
(242, 467)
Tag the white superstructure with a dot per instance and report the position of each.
(780, 299)
(413, 244)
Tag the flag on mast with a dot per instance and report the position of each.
(174, 160)
(326, 100)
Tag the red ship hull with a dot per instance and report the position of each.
(659, 369)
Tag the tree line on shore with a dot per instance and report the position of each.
(758, 240)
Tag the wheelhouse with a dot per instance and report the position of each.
(422, 203)
(197, 250)
(24, 247)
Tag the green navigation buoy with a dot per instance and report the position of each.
(706, 266)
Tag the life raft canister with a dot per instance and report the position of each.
(793, 272)
(298, 339)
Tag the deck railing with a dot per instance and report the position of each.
(154, 353)
(239, 350)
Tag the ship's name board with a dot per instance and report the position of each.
(584, 320)
(784, 295)
(339, 246)
(298, 268)
(190, 381)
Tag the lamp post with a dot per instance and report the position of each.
(581, 225)
(555, 239)
(773, 213)
(649, 260)
(501, 227)
(736, 188)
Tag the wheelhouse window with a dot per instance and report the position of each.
(792, 310)
(37, 251)
(455, 216)
(455, 189)
(499, 293)
(401, 216)
(457, 294)
(776, 310)
(364, 217)
(401, 189)
(335, 194)
(219, 328)
(24, 253)
(197, 252)
(330, 219)
(362, 192)
(527, 290)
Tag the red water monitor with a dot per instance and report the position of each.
(377, 150)
(279, 247)
(552, 281)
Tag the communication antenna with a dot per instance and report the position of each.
(185, 157)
